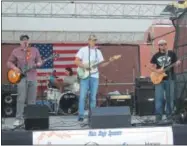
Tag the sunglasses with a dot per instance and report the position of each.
(162, 44)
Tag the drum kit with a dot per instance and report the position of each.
(61, 103)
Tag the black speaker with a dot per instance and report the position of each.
(145, 104)
(36, 117)
(110, 117)
(8, 104)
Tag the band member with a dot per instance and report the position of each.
(88, 54)
(54, 82)
(68, 82)
(164, 58)
(22, 58)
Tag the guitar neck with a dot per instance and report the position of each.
(167, 68)
(34, 67)
(172, 65)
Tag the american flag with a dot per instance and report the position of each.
(67, 55)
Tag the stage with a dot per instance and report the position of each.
(69, 124)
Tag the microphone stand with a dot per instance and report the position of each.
(89, 107)
(106, 87)
(42, 92)
(26, 66)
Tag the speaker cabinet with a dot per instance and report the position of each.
(145, 104)
(36, 117)
(110, 117)
(8, 104)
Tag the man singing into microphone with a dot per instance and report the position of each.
(21, 58)
(89, 53)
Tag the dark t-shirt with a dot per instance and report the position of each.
(162, 58)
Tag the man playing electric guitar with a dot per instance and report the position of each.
(20, 58)
(159, 62)
(85, 55)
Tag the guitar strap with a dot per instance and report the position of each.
(96, 57)
(26, 60)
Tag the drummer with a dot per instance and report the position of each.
(54, 82)
(69, 80)
(68, 83)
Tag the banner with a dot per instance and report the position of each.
(146, 136)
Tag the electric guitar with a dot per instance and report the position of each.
(15, 77)
(157, 78)
(84, 73)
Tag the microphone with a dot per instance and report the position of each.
(25, 46)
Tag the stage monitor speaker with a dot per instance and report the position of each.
(145, 104)
(110, 117)
(36, 117)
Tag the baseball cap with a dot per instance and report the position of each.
(162, 42)
(24, 36)
(92, 37)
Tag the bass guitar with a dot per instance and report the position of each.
(157, 78)
(15, 77)
(84, 73)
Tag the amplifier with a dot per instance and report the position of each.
(121, 100)
(9, 88)
(143, 82)
(145, 104)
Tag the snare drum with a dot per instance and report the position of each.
(68, 103)
(53, 94)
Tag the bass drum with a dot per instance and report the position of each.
(68, 104)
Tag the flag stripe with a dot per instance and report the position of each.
(65, 48)
(65, 59)
(50, 70)
(42, 88)
(64, 63)
(65, 51)
(65, 66)
(66, 55)
(57, 73)
(69, 45)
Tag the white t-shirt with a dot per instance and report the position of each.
(95, 55)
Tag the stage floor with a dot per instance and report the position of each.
(71, 123)
(20, 136)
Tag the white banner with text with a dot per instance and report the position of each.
(124, 136)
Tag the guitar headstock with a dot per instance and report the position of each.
(183, 57)
(55, 55)
(115, 57)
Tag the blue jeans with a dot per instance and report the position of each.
(166, 86)
(90, 84)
